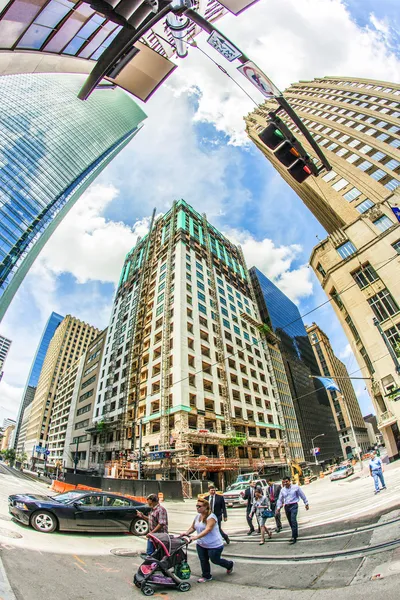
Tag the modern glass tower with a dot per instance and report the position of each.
(311, 403)
(52, 146)
(34, 374)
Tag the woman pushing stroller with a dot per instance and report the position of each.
(262, 509)
(209, 541)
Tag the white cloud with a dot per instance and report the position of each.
(290, 40)
(275, 262)
(10, 398)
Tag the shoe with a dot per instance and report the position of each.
(204, 580)
(230, 571)
(250, 532)
(292, 541)
(279, 529)
(377, 491)
(258, 531)
(384, 487)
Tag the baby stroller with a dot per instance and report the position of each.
(167, 566)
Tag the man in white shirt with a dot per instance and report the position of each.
(289, 497)
(376, 471)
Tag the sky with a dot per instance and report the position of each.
(193, 146)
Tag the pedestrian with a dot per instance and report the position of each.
(249, 496)
(274, 489)
(218, 508)
(208, 540)
(261, 504)
(376, 471)
(289, 497)
(157, 518)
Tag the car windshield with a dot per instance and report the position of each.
(235, 487)
(341, 468)
(67, 497)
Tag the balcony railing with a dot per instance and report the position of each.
(387, 418)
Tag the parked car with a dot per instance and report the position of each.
(342, 472)
(79, 511)
(234, 493)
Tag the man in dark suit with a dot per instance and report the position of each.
(249, 496)
(274, 489)
(218, 507)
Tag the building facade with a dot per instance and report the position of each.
(34, 373)
(185, 371)
(69, 440)
(70, 340)
(346, 410)
(4, 349)
(6, 438)
(52, 146)
(311, 404)
(356, 121)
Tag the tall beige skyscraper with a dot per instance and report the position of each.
(356, 121)
(69, 342)
(349, 421)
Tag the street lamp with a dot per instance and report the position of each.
(313, 447)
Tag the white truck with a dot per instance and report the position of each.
(235, 492)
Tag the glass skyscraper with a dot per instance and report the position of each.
(311, 403)
(34, 374)
(52, 146)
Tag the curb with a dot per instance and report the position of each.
(6, 592)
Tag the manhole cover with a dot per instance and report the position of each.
(128, 552)
(10, 534)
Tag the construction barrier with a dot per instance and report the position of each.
(160, 497)
(321, 475)
(61, 487)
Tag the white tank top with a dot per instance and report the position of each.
(213, 539)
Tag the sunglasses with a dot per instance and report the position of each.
(199, 505)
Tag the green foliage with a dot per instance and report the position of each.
(235, 439)
(9, 455)
(22, 457)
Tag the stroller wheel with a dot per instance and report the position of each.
(184, 586)
(147, 590)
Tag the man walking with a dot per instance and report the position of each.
(376, 471)
(157, 518)
(274, 489)
(249, 496)
(218, 508)
(289, 497)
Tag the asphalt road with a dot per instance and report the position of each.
(66, 566)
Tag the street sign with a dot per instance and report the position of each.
(47, 452)
(259, 79)
(223, 46)
(317, 451)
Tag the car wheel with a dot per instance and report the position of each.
(147, 590)
(139, 527)
(44, 521)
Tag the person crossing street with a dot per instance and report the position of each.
(274, 489)
(289, 497)
(218, 508)
(376, 471)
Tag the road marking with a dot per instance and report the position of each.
(81, 568)
(107, 569)
(79, 559)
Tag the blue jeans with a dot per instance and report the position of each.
(378, 477)
(291, 511)
(150, 547)
(213, 554)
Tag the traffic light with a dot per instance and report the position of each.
(288, 150)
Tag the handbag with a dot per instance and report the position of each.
(267, 513)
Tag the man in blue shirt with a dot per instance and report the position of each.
(376, 471)
(289, 497)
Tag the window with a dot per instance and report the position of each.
(365, 275)
(321, 270)
(346, 249)
(378, 174)
(383, 223)
(226, 323)
(383, 305)
(396, 246)
(382, 137)
(364, 166)
(392, 164)
(339, 185)
(393, 335)
(365, 205)
(202, 308)
(352, 194)
(378, 155)
(352, 328)
(367, 360)
(392, 184)
(352, 158)
(329, 176)
(201, 296)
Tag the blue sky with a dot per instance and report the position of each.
(193, 146)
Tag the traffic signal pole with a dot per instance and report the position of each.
(283, 103)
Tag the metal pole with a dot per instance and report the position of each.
(76, 456)
(352, 430)
(140, 449)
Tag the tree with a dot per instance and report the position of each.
(9, 455)
(22, 457)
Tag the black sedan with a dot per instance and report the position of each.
(79, 511)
